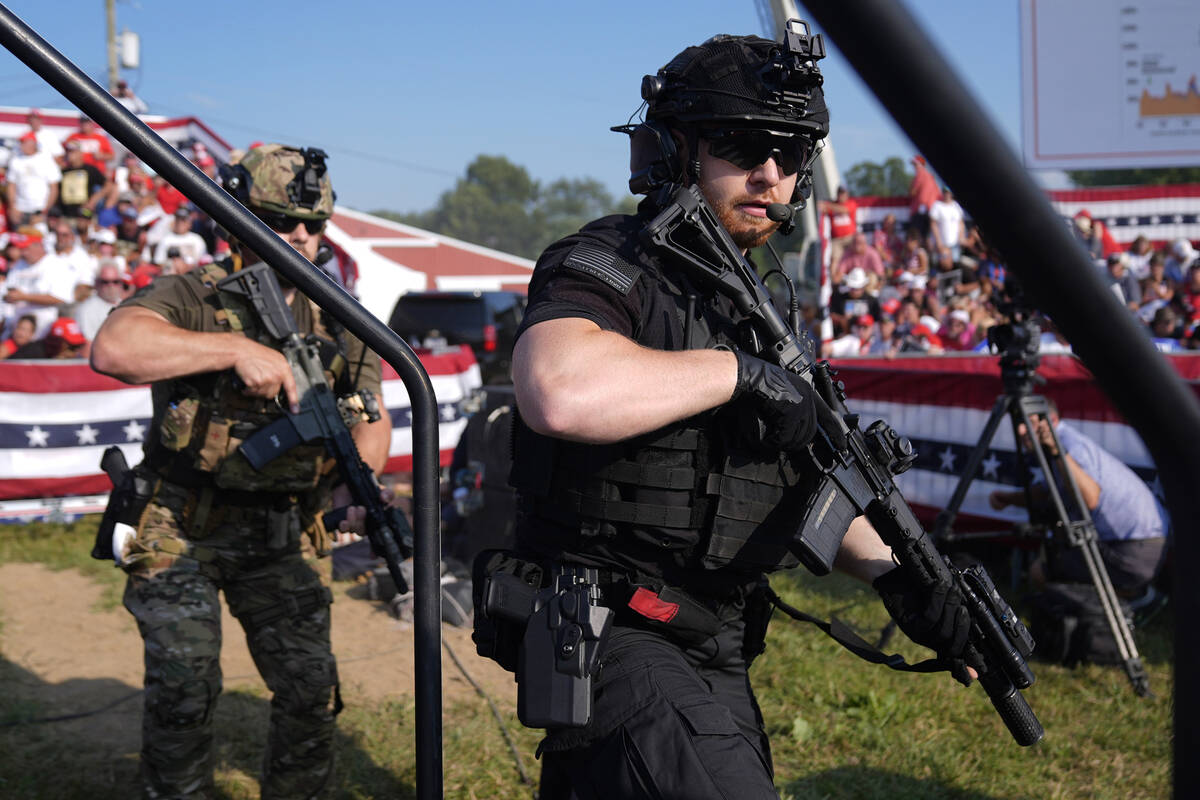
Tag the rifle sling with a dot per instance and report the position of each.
(841, 633)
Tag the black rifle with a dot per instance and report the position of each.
(321, 418)
(856, 480)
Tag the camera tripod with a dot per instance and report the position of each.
(1018, 343)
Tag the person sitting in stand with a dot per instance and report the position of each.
(1180, 258)
(958, 333)
(1157, 289)
(855, 343)
(84, 186)
(97, 149)
(1086, 236)
(885, 343)
(860, 255)
(64, 340)
(888, 241)
(1165, 330)
(112, 286)
(22, 334)
(1131, 523)
(1122, 284)
(852, 301)
(1137, 257)
(188, 245)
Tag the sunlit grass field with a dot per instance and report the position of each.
(840, 728)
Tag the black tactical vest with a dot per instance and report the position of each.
(200, 420)
(691, 492)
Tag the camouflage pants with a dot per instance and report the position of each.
(254, 556)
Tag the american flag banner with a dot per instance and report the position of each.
(941, 403)
(58, 417)
(1160, 213)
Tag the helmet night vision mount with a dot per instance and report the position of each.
(729, 82)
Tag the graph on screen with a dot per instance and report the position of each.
(1111, 82)
(1160, 50)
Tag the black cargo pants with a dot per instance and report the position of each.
(668, 721)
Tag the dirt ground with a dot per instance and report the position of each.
(72, 658)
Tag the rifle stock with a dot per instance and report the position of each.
(856, 480)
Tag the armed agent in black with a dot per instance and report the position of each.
(657, 461)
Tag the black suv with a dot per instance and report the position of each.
(486, 321)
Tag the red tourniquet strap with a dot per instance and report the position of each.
(648, 604)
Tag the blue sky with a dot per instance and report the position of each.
(404, 95)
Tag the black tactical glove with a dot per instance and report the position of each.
(937, 619)
(787, 408)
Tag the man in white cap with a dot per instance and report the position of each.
(1181, 257)
(852, 301)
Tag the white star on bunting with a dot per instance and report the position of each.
(37, 436)
(86, 434)
(134, 431)
(991, 466)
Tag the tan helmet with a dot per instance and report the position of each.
(282, 179)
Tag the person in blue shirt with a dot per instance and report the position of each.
(1131, 523)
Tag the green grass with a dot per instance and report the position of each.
(840, 728)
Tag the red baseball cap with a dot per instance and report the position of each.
(67, 329)
(28, 136)
(866, 320)
(144, 275)
(23, 238)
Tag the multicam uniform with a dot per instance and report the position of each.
(214, 524)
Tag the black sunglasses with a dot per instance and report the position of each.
(746, 149)
(282, 223)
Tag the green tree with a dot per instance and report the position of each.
(567, 204)
(498, 204)
(889, 179)
(1134, 177)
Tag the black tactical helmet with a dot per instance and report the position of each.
(731, 82)
(744, 80)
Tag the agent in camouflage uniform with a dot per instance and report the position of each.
(212, 523)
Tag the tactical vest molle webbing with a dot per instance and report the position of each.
(201, 419)
(690, 489)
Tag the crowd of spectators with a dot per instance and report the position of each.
(935, 285)
(81, 229)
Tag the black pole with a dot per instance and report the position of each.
(924, 95)
(24, 43)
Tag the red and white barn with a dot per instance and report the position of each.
(393, 258)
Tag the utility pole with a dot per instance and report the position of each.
(113, 74)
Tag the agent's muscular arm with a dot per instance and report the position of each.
(137, 345)
(576, 381)
(863, 554)
(374, 439)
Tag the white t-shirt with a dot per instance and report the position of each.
(49, 276)
(91, 313)
(191, 247)
(846, 346)
(82, 265)
(32, 177)
(948, 218)
(49, 143)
